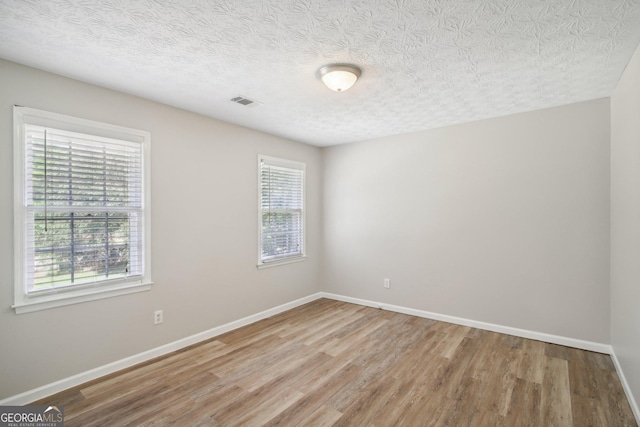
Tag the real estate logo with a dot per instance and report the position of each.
(31, 416)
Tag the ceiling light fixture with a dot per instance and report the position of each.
(339, 77)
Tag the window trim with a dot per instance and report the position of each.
(23, 302)
(291, 258)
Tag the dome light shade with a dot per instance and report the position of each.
(339, 77)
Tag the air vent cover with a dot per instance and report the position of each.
(243, 100)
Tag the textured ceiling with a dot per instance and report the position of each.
(425, 63)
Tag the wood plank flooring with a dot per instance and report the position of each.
(333, 363)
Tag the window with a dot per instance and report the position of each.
(281, 216)
(81, 210)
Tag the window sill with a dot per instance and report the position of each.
(75, 297)
(274, 263)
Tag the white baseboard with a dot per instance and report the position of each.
(627, 389)
(83, 377)
(538, 336)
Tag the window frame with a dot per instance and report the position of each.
(292, 164)
(66, 295)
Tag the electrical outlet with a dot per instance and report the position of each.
(157, 317)
(387, 283)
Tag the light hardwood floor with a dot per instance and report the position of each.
(334, 363)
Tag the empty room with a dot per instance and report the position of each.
(307, 213)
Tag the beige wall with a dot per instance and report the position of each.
(503, 221)
(625, 223)
(204, 241)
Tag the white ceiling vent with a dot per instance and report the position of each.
(243, 100)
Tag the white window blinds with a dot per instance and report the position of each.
(81, 210)
(84, 205)
(282, 214)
